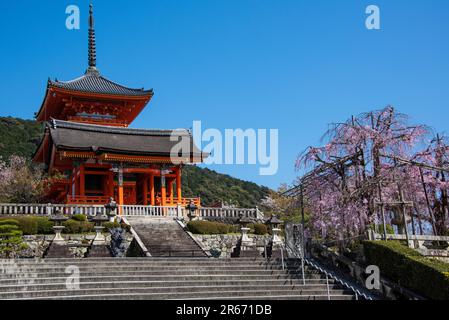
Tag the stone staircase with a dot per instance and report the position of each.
(165, 238)
(164, 279)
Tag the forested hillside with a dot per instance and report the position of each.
(19, 137)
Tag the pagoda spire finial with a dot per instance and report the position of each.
(92, 42)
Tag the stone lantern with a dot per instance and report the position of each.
(191, 208)
(274, 225)
(58, 220)
(99, 219)
(245, 240)
(111, 209)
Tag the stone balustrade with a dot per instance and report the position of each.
(151, 211)
(128, 210)
(48, 209)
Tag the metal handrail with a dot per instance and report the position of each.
(332, 276)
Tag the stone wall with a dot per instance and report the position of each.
(222, 245)
(38, 244)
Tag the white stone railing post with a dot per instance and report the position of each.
(48, 209)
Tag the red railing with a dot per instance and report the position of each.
(182, 202)
(99, 200)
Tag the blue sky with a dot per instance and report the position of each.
(289, 65)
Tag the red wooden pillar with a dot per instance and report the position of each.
(170, 190)
(120, 190)
(152, 191)
(145, 190)
(111, 184)
(76, 180)
(105, 181)
(163, 190)
(179, 186)
(72, 182)
(82, 181)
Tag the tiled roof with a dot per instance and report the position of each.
(93, 82)
(85, 137)
(59, 124)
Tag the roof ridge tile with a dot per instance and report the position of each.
(55, 124)
(94, 82)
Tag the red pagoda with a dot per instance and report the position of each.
(88, 141)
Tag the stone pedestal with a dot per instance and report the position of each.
(247, 246)
(246, 240)
(193, 216)
(58, 239)
(100, 239)
(276, 238)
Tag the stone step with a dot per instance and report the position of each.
(172, 236)
(172, 247)
(126, 297)
(133, 259)
(177, 253)
(168, 286)
(148, 276)
(324, 297)
(240, 273)
(166, 239)
(150, 261)
(157, 266)
(242, 296)
(166, 278)
(99, 264)
(86, 273)
(160, 261)
(169, 281)
(197, 292)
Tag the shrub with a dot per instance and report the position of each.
(79, 217)
(9, 222)
(44, 226)
(208, 227)
(6, 229)
(30, 225)
(259, 229)
(10, 240)
(380, 228)
(76, 227)
(410, 269)
(111, 225)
